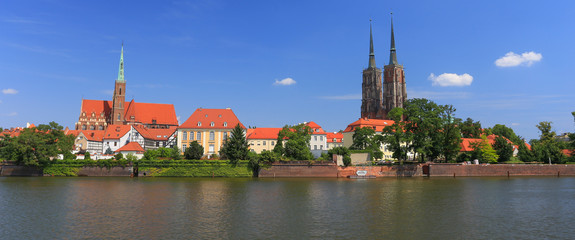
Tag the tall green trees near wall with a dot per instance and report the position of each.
(36, 146)
(235, 148)
(297, 139)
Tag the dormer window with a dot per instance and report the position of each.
(225, 124)
(220, 116)
(212, 124)
(199, 124)
(206, 115)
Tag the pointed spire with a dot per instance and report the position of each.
(371, 52)
(121, 68)
(392, 55)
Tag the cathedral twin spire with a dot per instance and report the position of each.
(121, 68)
(392, 54)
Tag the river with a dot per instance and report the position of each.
(299, 208)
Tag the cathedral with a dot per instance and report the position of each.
(98, 114)
(379, 97)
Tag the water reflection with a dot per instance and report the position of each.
(176, 208)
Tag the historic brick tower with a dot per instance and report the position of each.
(372, 98)
(394, 91)
(119, 94)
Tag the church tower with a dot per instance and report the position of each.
(372, 98)
(119, 98)
(394, 94)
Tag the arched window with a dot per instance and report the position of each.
(211, 124)
(199, 124)
(212, 135)
(118, 117)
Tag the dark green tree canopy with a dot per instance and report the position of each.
(235, 148)
(194, 152)
(296, 146)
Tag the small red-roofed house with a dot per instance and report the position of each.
(334, 140)
(377, 124)
(209, 127)
(115, 137)
(89, 141)
(132, 148)
(260, 139)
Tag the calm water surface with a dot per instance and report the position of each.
(192, 208)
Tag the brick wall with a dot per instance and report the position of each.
(299, 170)
(383, 171)
(500, 170)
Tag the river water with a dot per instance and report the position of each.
(205, 208)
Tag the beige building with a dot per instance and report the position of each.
(376, 124)
(260, 139)
(209, 127)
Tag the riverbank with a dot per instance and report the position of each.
(290, 169)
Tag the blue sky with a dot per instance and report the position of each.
(218, 54)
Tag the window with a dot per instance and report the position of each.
(157, 144)
(191, 136)
(184, 147)
(199, 136)
(211, 148)
(101, 127)
(225, 135)
(264, 143)
(273, 143)
(92, 127)
(320, 147)
(199, 124)
(118, 116)
(321, 138)
(212, 136)
(185, 136)
(115, 144)
(334, 139)
(225, 124)
(211, 124)
(314, 147)
(220, 116)
(315, 138)
(83, 127)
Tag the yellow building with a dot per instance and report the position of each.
(209, 127)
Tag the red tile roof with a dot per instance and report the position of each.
(316, 129)
(203, 119)
(161, 134)
(131, 147)
(337, 135)
(567, 152)
(466, 143)
(263, 133)
(379, 124)
(116, 131)
(93, 135)
(72, 132)
(144, 113)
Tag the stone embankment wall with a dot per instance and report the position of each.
(297, 169)
(383, 171)
(458, 170)
(17, 171)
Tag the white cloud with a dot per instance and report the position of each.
(512, 59)
(343, 97)
(9, 91)
(285, 82)
(515, 124)
(451, 79)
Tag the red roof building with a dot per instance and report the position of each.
(260, 139)
(334, 140)
(209, 127)
(132, 147)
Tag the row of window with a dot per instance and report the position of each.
(272, 143)
(212, 124)
(211, 148)
(92, 127)
(198, 136)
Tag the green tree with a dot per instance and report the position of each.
(524, 153)
(258, 161)
(449, 142)
(365, 138)
(109, 151)
(87, 156)
(176, 155)
(470, 129)
(119, 156)
(397, 139)
(502, 130)
(130, 157)
(36, 146)
(547, 149)
(344, 152)
(297, 142)
(503, 148)
(194, 151)
(484, 151)
(236, 147)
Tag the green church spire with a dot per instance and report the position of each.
(392, 55)
(121, 68)
(371, 52)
